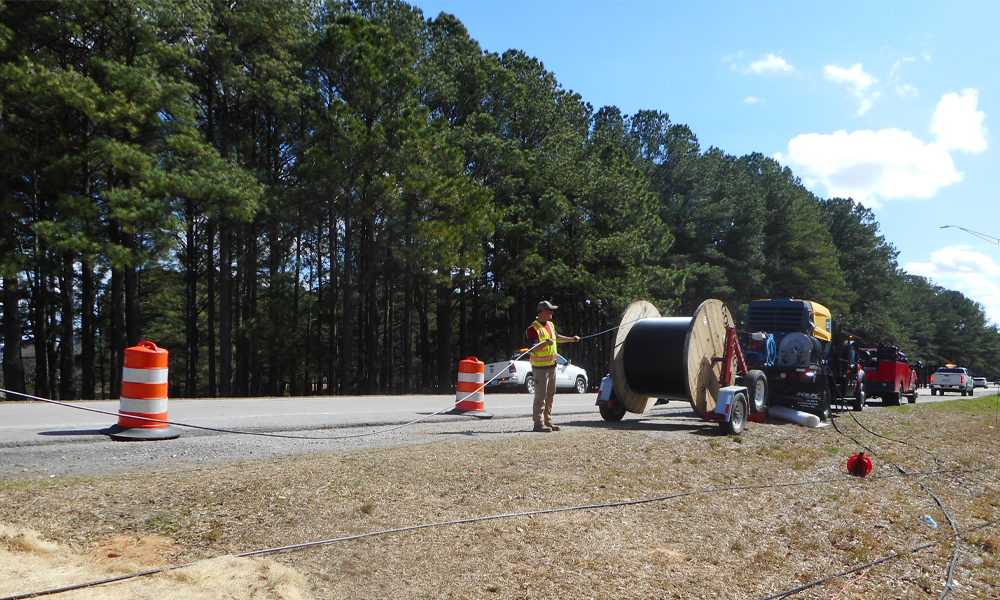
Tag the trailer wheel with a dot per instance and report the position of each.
(529, 384)
(891, 399)
(859, 399)
(737, 416)
(756, 383)
(614, 412)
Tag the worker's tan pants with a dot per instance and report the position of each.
(545, 391)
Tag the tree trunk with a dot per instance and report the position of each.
(407, 341)
(133, 320)
(119, 339)
(371, 299)
(13, 364)
(334, 328)
(463, 330)
(210, 275)
(444, 329)
(67, 372)
(225, 310)
(347, 337)
(87, 330)
(40, 331)
(386, 377)
(191, 307)
(425, 342)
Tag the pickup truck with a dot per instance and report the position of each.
(517, 374)
(888, 374)
(950, 378)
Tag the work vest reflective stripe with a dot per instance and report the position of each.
(544, 356)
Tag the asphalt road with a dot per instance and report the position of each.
(44, 440)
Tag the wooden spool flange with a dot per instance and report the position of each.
(633, 402)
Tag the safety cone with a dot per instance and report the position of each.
(470, 389)
(144, 394)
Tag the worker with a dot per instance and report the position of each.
(543, 337)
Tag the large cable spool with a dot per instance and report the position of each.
(670, 357)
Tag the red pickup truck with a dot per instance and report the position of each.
(888, 374)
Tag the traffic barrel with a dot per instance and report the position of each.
(144, 395)
(471, 385)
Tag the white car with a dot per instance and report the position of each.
(517, 373)
(979, 382)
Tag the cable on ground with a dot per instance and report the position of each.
(510, 516)
(949, 582)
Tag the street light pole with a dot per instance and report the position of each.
(988, 238)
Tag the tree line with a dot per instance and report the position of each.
(348, 198)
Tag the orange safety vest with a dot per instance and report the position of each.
(544, 356)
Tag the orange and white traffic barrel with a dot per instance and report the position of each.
(142, 411)
(471, 385)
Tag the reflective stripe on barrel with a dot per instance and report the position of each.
(470, 384)
(144, 387)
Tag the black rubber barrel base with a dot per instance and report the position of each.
(141, 434)
(481, 414)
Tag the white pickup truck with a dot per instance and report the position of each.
(517, 373)
(950, 378)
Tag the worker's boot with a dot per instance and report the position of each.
(539, 428)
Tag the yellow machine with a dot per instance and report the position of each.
(785, 315)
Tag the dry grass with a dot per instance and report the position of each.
(730, 544)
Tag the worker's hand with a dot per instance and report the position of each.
(576, 338)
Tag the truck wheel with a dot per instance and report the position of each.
(756, 383)
(529, 384)
(912, 398)
(737, 416)
(581, 385)
(614, 412)
(933, 392)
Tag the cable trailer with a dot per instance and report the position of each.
(695, 359)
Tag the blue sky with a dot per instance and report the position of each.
(892, 103)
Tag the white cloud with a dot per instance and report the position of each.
(752, 100)
(927, 57)
(857, 81)
(770, 65)
(871, 166)
(855, 77)
(876, 166)
(954, 261)
(957, 123)
(905, 90)
(962, 269)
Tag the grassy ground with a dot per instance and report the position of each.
(711, 543)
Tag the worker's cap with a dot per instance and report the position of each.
(545, 304)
